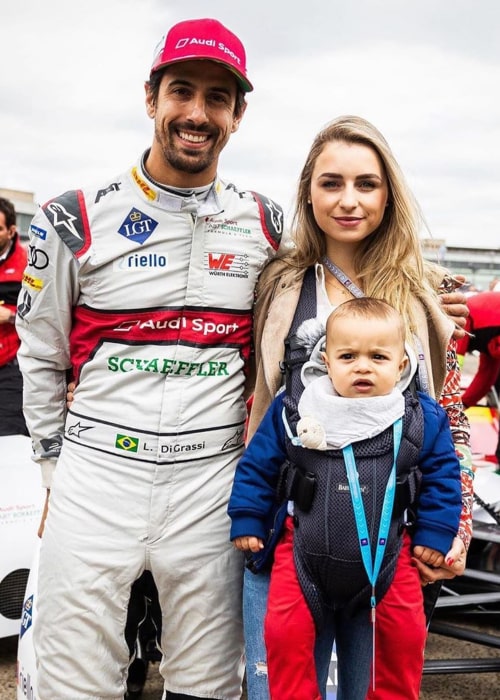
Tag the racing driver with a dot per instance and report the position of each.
(145, 301)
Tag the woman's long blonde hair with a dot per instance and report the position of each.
(389, 263)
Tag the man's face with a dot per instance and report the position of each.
(194, 118)
(6, 233)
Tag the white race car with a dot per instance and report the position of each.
(21, 501)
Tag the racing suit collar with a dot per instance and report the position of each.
(155, 194)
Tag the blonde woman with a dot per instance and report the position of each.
(356, 223)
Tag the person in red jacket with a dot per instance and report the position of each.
(483, 324)
(12, 263)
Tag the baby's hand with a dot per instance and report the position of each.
(454, 564)
(254, 544)
(428, 556)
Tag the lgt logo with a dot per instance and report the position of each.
(27, 616)
(137, 226)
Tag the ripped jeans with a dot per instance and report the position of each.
(255, 590)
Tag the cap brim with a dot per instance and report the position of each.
(243, 82)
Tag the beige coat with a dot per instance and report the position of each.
(276, 300)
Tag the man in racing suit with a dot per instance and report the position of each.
(146, 302)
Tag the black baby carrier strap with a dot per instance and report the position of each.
(295, 352)
(297, 484)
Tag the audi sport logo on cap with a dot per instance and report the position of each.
(203, 39)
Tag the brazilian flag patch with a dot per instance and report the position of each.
(127, 443)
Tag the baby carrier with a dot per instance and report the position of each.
(327, 542)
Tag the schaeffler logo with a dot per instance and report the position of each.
(226, 226)
(188, 41)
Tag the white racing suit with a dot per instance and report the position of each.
(146, 297)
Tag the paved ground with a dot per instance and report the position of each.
(481, 686)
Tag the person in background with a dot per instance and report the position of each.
(356, 225)
(361, 428)
(147, 300)
(13, 260)
(483, 336)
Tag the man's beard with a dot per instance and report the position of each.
(192, 162)
(184, 164)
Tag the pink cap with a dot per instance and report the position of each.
(203, 39)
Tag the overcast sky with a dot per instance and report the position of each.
(426, 73)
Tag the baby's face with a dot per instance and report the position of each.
(364, 357)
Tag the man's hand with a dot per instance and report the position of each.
(41, 527)
(69, 394)
(455, 305)
(254, 544)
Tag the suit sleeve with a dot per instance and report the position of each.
(44, 319)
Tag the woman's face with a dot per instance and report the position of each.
(349, 193)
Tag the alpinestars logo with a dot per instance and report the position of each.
(234, 441)
(77, 429)
(276, 216)
(62, 217)
(227, 264)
